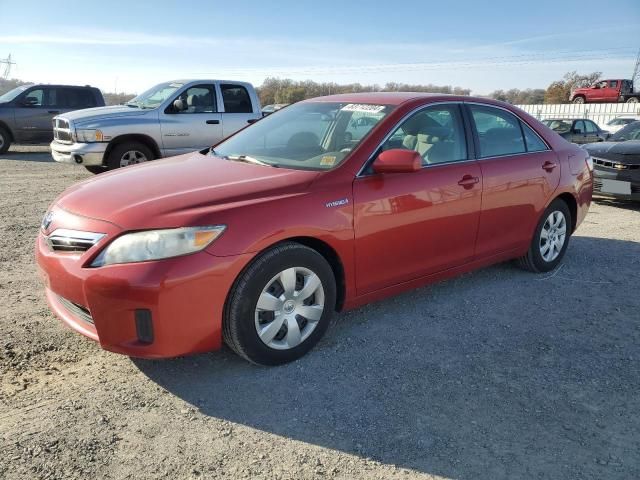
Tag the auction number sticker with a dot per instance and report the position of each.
(362, 107)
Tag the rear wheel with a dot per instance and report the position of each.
(128, 153)
(578, 100)
(632, 100)
(5, 140)
(550, 240)
(95, 169)
(280, 306)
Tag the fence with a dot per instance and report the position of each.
(600, 113)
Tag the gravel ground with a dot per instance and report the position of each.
(496, 374)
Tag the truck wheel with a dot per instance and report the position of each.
(128, 153)
(95, 169)
(578, 100)
(632, 100)
(5, 140)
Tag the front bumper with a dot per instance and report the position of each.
(183, 297)
(90, 154)
(628, 189)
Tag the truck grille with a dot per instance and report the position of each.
(614, 165)
(76, 310)
(62, 130)
(63, 240)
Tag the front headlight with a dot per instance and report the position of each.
(88, 136)
(157, 244)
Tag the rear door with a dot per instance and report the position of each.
(591, 132)
(409, 225)
(196, 127)
(610, 93)
(520, 173)
(578, 132)
(237, 107)
(33, 113)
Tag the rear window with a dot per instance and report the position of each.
(236, 99)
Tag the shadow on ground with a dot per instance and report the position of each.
(497, 374)
(27, 153)
(612, 202)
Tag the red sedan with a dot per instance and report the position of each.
(258, 240)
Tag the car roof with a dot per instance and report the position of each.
(396, 98)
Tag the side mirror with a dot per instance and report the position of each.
(397, 160)
(29, 101)
(178, 105)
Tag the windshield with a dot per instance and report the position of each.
(620, 121)
(560, 126)
(306, 136)
(153, 97)
(630, 132)
(11, 94)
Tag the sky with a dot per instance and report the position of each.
(128, 46)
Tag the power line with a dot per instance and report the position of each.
(7, 66)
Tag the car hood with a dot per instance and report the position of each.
(626, 152)
(186, 190)
(103, 113)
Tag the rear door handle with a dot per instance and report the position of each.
(213, 122)
(549, 166)
(468, 181)
(54, 111)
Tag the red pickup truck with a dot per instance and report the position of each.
(606, 91)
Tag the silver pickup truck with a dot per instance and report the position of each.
(169, 119)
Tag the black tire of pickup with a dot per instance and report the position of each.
(5, 140)
(633, 100)
(579, 100)
(136, 151)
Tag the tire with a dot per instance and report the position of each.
(95, 169)
(138, 152)
(579, 100)
(632, 100)
(534, 260)
(262, 279)
(5, 140)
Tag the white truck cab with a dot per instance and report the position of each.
(169, 119)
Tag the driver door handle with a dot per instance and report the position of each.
(213, 122)
(468, 181)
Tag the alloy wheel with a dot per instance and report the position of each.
(552, 236)
(132, 157)
(289, 308)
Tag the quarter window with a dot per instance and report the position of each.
(533, 141)
(436, 133)
(499, 131)
(613, 83)
(236, 99)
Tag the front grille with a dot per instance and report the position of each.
(62, 130)
(63, 240)
(614, 165)
(76, 310)
(597, 187)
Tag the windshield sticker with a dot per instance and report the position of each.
(176, 85)
(362, 107)
(327, 161)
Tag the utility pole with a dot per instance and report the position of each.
(636, 73)
(7, 66)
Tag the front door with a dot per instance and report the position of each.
(408, 225)
(35, 109)
(195, 126)
(520, 173)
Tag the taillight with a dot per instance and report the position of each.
(589, 161)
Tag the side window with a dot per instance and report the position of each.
(613, 84)
(578, 127)
(590, 127)
(533, 141)
(236, 99)
(499, 131)
(436, 133)
(199, 99)
(34, 98)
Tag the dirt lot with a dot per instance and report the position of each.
(498, 374)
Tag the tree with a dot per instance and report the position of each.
(560, 90)
(519, 97)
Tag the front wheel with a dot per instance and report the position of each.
(578, 100)
(128, 153)
(5, 140)
(550, 240)
(280, 306)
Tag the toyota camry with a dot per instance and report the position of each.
(323, 206)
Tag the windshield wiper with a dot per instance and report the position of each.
(247, 159)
